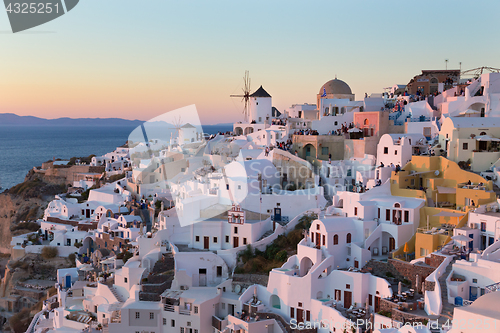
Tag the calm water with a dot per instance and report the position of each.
(23, 147)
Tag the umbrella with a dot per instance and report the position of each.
(86, 268)
(462, 238)
(354, 129)
(406, 249)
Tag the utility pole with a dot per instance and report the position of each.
(446, 63)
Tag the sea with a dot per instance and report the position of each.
(23, 147)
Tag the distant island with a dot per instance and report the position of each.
(14, 119)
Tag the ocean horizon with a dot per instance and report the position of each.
(24, 147)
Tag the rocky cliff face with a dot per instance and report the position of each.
(23, 202)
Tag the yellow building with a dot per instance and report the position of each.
(448, 199)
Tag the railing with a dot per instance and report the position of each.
(492, 287)
(186, 312)
(217, 323)
(169, 308)
(466, 302)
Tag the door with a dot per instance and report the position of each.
(347, 299)
(472, 293)
(235, 242)
(68, 281)
(203, 277)
(87, 213)
(300, 315)
(318, 239)
(471, 242)
(230, 309)
(392, 244)
(206, 243)
(277, 214)
(377, 303)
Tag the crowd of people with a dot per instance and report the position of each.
(306, 132)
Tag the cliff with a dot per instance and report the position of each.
(23, 202)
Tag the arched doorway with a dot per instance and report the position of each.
(309, 151)
(238, 131)
(248, 130)
(305, 266)
(275, 302)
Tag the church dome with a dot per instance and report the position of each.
(335, 87)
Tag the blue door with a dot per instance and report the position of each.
(277, 214)
(68, 281)
(470, 243)
(491, 240)
(472, 293)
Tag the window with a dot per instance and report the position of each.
(366, 122)
(335, 239)
(407, 216)
(151, 315)
(308, 315)
(386, 150)
(292, 312)
(219, 271)
(137, 315)
(227, 187)
(125, 279)
(395, 152)
(235, 230)
(387, 214)
(215, 239)
(465, 146)
(348, 238)
(195, 309)
(239, 187)
(182, 330)
(336, 123)
(378, 214)
(347, 286)
(324, 238)
(483, 226)
(197, 238)
(312, 236)
(324, 150)
(474, 280)
(164, 321)
(227, 239)
(370, 300)
(244, 241)
(355, 211)
(300, 304)
(95, 308)
(317, 226)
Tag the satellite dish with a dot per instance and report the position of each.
(436, 172)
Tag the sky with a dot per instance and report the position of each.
(139, 59)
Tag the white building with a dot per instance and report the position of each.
(399, 148)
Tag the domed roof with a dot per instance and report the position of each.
(335, 86)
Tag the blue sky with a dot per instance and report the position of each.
(139, 59)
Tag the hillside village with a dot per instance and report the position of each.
(376, 214)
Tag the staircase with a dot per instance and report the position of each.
(116, 294)
(268, 233)
(159, 280)
(447, 310)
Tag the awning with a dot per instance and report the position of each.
(355, 129)
(486, 138)
(446, 190)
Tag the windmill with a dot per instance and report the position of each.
(246, 95)
(177, 123)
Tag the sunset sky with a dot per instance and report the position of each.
(138, 59)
